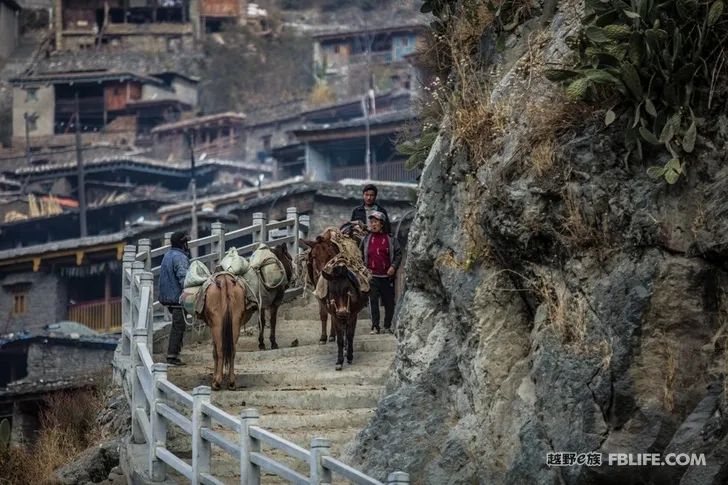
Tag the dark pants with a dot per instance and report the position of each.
(381, 289)
(177, 332)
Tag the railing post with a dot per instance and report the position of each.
(304, 224)
(398, 478)
(218, 246)
(157, 468)
(126, 301)
(249, 472)
(145, 246)
(201, 449)
(320, 447)
(147, 281)
(138, 399)
(137, 268)
(292, 214)
(260, 235)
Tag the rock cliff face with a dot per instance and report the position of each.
(580, 310)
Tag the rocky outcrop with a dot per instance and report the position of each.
(580, 311)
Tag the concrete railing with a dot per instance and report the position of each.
(156, 403)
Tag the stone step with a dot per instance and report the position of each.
(328, 397)
(367, 369)
(384, 344)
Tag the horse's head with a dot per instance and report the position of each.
(322, 251)
(344, 295)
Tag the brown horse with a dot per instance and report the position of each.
(322, 251)
(343, 302)
(224, 314)
(281, 252)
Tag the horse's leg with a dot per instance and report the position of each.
(323, 315)
(273, 318)
(217, 355)
(339, 343)
(350, 330)
(261, 329)
(333, 334)
(236, 335)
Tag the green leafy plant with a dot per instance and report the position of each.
(418, 149)
(659, 60)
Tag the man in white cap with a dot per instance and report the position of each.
(382, 255)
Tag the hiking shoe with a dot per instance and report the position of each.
(388, 330)
(174, 361)
(375, 331)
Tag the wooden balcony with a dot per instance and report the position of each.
(389, 171)
(100, 315)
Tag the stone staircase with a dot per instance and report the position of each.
(296, 389)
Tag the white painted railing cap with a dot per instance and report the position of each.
(249, 413)
(202, 391)
(159, 367)
(320, 443)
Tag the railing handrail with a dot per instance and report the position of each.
(152, 393)
(113, 299)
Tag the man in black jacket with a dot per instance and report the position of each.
(370, 205)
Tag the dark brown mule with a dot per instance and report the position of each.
(281, 252)
(322, 251)
(224, 314)
(343, 302)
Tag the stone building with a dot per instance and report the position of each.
(114, 107)
(142, 25)
(36, 366)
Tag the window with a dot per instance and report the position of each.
(31, 94)
(265, 141)
(20, 303)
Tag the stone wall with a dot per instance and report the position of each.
(46, 300)
(56, 360)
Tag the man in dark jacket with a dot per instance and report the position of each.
(382, 255)
(363, 212)
(172, 274)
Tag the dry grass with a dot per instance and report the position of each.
(566, 311)
(321, 94)
(68, 426)
(542, 157)
(671, 364)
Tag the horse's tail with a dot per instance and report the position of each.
(228, 346)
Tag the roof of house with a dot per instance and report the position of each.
(84, 76)
(342, 34)
(67, 244)
(42, 386)
(397, 117)
(232, 196)
(351, 191)
(218, 119)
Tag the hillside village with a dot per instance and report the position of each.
(116, 115)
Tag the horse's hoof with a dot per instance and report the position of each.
(349, 361)
(215, 386)
(332, 338)
(339, 366)
(231, 386)
(273, 345)
(322, 340)
(261, 346)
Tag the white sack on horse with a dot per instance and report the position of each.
(265, 275)
(197, 274)
(234, 263)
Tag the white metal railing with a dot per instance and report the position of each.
(156, 403)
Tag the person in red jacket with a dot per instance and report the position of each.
(382, 255)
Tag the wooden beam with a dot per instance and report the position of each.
(36, 264)
(79, 257)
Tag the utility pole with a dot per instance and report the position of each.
(27, 137)
(193, 189)
(79, 169)
(367, 153)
